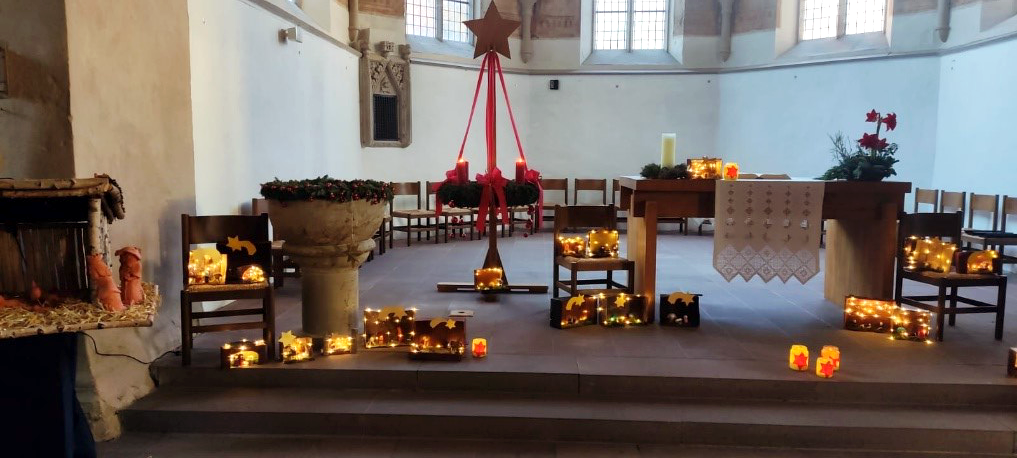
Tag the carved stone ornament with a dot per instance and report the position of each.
(384, 93)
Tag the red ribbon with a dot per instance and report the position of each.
(533, 176)
(493, 183)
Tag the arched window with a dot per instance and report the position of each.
(836, 18)
(440, 19)
(629, 24)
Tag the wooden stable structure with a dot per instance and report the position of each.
(48, 227)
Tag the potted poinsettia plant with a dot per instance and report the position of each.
(872, 159)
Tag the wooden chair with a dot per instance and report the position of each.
(926, 196)
(589, 184)
(465, 215)
(282, 265)
(419, 220)
(555, 185)
(992, 239)
(945, 225)
(215, 229)
(615, 195)
(950, 202)
(594, 217)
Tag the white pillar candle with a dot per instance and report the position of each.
(667, 142)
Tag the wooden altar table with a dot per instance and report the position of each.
(861, 234)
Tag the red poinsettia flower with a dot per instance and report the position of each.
(890, 121)
(872, 116)
(872, 141)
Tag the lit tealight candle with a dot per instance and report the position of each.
(825, 367)
(799, 358)
(479, 347)
(832, 352)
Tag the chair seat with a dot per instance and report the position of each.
(954, 278)
(277, 245)
(989, 237)
(226, 287)
(418, 213)
(593, 264)
(453, 211)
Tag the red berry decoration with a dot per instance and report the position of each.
(526, 234)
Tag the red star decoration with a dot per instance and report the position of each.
(801, 361)
(492, 32)
(827, 369)
(479, 349)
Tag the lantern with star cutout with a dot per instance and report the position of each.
(295, 349)
(337, 344)
(621, 309)
(825, 367)
(679, 309)
(478, 347)
(602, 243)
(731, 171)
(573, 312)
(799, 358)
(388, 327)
(833, 353)
(977, 262)
(441, 339)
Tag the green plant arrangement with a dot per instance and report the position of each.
(468, 195)
(873, 158)
(655, 171)
(328, 189)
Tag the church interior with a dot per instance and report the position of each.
(550, 228)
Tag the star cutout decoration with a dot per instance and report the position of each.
(395, 311)
(449, 323)
(801, 361)
(575, 301)
(826, 369)
(287, 338)
(686, 298)
(621, 300)
(492, 32)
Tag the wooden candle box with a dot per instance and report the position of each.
(679, 310)
(864, 314)
(977, 262)
(388, 327)
(622, 310)
(573, 312)
(438, 339)
(911, 325)
(243, 353)
(1011, 366)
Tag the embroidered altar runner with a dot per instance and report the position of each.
(768, 228)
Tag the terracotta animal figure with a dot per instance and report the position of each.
(130, 275)
(102, 284)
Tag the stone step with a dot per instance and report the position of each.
(561, 417)
(645, 378)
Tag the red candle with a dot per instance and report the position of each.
(463, 170)
(520, 170)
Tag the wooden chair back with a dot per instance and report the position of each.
(584, 216)
(217, 228)
(431, 188)
(983, 203)
(926, 196)
(555, 184)
(405, 188)
(942, 225)
(590, 184)
(952, 201)
(1009, 209)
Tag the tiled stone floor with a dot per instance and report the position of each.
(746, 329)
(137, 445)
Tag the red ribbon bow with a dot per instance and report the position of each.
(493, 182)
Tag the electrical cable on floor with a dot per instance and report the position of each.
(95, 347)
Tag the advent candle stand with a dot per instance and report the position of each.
(492, 38)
